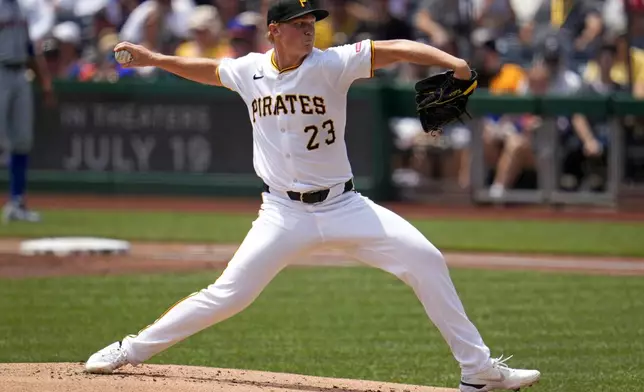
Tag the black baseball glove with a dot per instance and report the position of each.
(441, 99)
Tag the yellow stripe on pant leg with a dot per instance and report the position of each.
(166, 312)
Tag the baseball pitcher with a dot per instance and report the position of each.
(296, 97)
(16, 103)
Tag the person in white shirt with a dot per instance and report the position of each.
(296, 97)
(41, 17)
(175, 16)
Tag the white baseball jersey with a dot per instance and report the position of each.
(298, 117)
(299, 114)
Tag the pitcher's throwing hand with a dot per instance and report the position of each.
(134, 55)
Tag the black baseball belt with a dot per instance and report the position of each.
(315, 196)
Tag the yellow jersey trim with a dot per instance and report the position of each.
(373, 59)
(219, 78)
(274, 63)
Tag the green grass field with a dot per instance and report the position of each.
(585, 333)
(589, 238)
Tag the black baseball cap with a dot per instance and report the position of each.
(285, 10)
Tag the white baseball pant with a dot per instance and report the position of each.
(285, 231)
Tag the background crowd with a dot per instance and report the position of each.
(78, 35)
(517, 46)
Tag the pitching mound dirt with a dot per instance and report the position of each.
(69, 377)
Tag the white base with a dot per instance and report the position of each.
(73, 246)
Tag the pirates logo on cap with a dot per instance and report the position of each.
(302, 3)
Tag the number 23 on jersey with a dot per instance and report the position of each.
(328, 127)
(292, 104)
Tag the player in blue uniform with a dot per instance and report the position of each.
(16, 103)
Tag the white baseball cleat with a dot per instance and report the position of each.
(499, 376)
(107, 360)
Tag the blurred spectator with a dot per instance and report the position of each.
(154, 37)
(448, 24)
(244, 33)
(63, 50)
(584, 24)
(403, 9)
(619, 70)
(637, 31)
(383, 25)
(41, 16)
(515, 134)
(64, 9)
(206, 32)
(98, 15)
(441, 22)
(338, 28)
(578, 23)
(499, 78)
(584, 163)
(549, 75)
(164, 22)
(562, 80)
(111, 12)
(613, 16)
(228, 9)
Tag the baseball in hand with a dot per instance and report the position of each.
(123, 56)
